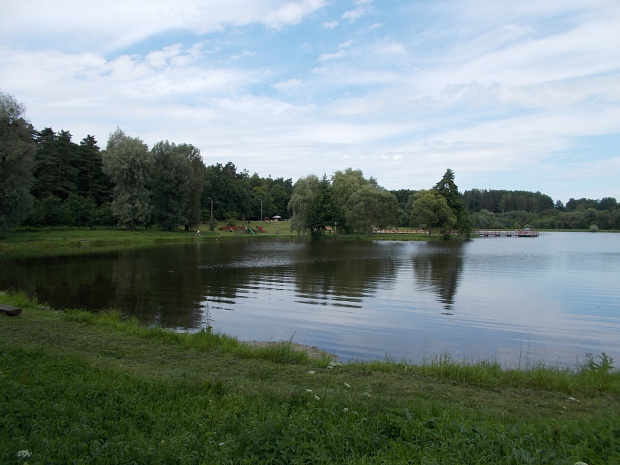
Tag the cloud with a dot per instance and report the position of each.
(288, 85)
(360, 10)
(77, 25)
(332, 56)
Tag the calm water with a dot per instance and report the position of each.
(515, 300)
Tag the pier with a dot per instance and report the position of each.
(505, 233)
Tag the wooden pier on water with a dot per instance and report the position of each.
(505, 233)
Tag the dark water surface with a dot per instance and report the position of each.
(515, 300)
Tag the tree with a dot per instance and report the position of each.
(447, 188)
(128, 163)
(193, 213)
(172, 185)
(303, 194)
(347, 182)
(323, 211)
(370, 208)
(92, 182)
(56, 165)
(17, 149)
(431, 209)
(229, 190)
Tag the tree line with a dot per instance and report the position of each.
(50, 180)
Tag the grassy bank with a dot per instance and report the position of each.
(70, 240)
(83, 388)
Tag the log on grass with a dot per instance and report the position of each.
(8, 310)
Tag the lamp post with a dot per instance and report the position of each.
(211, 222)
(261, 210)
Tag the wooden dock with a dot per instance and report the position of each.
(505, 233)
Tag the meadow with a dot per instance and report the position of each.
(79, 387)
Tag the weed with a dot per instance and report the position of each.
(599, 363)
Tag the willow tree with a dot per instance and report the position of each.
(304, 191)
(431, 211)
(128, 163)
(369, 208)
(17, 149)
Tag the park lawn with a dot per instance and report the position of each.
(65, 240)
(84, 388)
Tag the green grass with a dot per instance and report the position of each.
(85, 388)
(65, 240)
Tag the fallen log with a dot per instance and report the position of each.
(10, 311)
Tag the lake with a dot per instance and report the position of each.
(519, 301)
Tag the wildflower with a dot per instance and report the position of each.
(317, 397)
(24, 454)
(347, 385)
(221, 444)
(311, 372)
(308, 390)
(345, 410)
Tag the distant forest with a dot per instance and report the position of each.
(50, 180)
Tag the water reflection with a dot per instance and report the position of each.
(358, 299)
(437, 270)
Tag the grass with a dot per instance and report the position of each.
(95, 388)
(65, 240)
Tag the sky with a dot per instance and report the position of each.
(509, 95)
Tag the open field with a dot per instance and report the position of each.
(84, 388)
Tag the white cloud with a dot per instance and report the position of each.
(360, 10)
(332, 56)
(288, 85)
(116, 24)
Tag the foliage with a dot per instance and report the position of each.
(57, 165)
(370, 208)
(323, 211)
(502, 201)
(449, 190)
(431, 209)
(345, 184)
(172, 185)
(194, 213)
(17, 149)
(229, 190)
(128, 163)
(303, 193)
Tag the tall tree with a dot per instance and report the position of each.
(229, 191)
(447, 188)
(17, 149)
(128, 163)
(345, 184)
(193, 213)
(370, 208)
(92, 182)
(323, 211)
(304, 191)
(57, 165)
(431, 211)
(172, 185)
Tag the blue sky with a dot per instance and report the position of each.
(509, 95)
